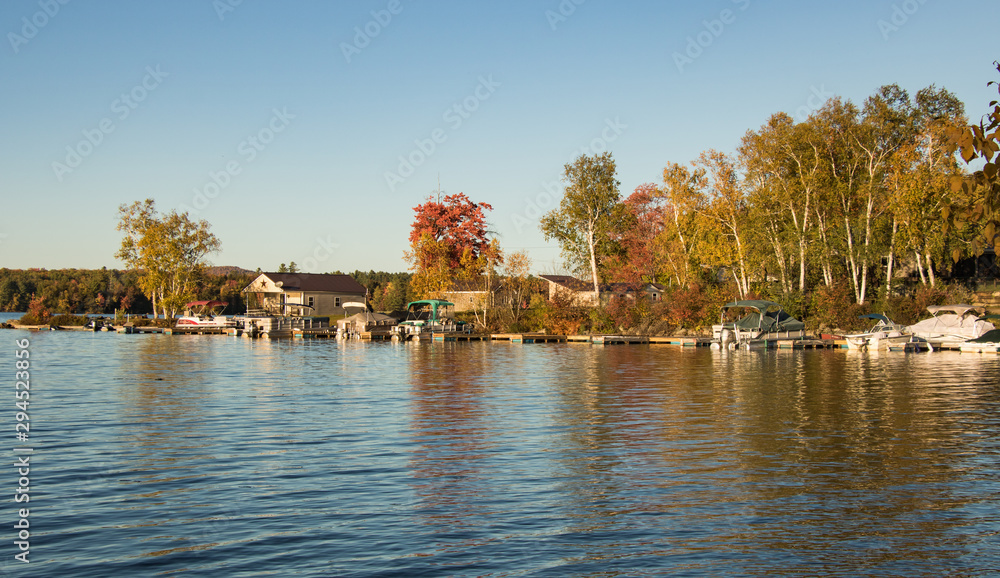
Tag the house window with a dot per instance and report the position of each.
(311, 302)
(336, 301)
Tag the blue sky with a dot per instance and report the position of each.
(307, 131)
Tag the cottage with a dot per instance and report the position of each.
(581, 293)
(469, 296)
(305, 293)
(577, 292)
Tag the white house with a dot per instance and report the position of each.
(317, 294)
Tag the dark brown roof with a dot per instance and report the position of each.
(574, 284)
(571, 283)
(317, 282)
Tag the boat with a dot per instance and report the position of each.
(988, 342)
(205, 314)
(766, 321)
(428, 316)
(880, 336)
(951, 325)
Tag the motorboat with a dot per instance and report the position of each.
(880, 336)
(763, 322)
(205, 314)
(428, 316)
(951, 325)
(988, 342)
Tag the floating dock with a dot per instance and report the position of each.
(528, 337)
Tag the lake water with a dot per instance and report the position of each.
(219, 456)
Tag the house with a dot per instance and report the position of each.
(305, 293)
(577, 292)
(581, 293)
(468, 295)
(651, 291)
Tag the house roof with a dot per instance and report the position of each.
(569, 282)
(321, 282)
(574, 284)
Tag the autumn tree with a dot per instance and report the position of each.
(682, 193)
(640, 236)
(444, 236)
(784, 169)
(980, 191)
(726, 207)
(518, 286)
(169, 250)
(586, 216)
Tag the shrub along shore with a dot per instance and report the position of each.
(682, 310)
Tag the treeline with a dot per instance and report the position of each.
(854, 193)
(104, 290)
(386, 291)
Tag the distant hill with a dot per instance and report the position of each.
(223, 270)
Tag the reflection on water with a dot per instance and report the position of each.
(215, 455)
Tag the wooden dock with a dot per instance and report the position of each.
(528, 337)
(681, 341)
(804, 343)
(910, 346)
(619, 340)
(459, 337)
(195, 331)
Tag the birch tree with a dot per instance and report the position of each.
(169, 250)
(586, 215)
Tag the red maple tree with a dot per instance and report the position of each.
(643, 218)
(457, 223)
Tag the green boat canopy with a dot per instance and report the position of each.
(766, 315)
(432, 303)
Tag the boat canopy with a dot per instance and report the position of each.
(875, 316)
(434, 304)
(951, 323)
(767, 316)
(960, 309)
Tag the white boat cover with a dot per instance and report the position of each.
(960, 326)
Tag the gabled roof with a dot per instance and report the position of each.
(321, 282)
(569, 282)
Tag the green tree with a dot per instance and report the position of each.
(587, 213)
(169, 250)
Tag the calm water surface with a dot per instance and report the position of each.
(217, 456)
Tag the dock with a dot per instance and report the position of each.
(804, 343)
(681, 341)
(528, 337)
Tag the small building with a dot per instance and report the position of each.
(577, 292)
(468, 295)
(303, 294)
(581, 293)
